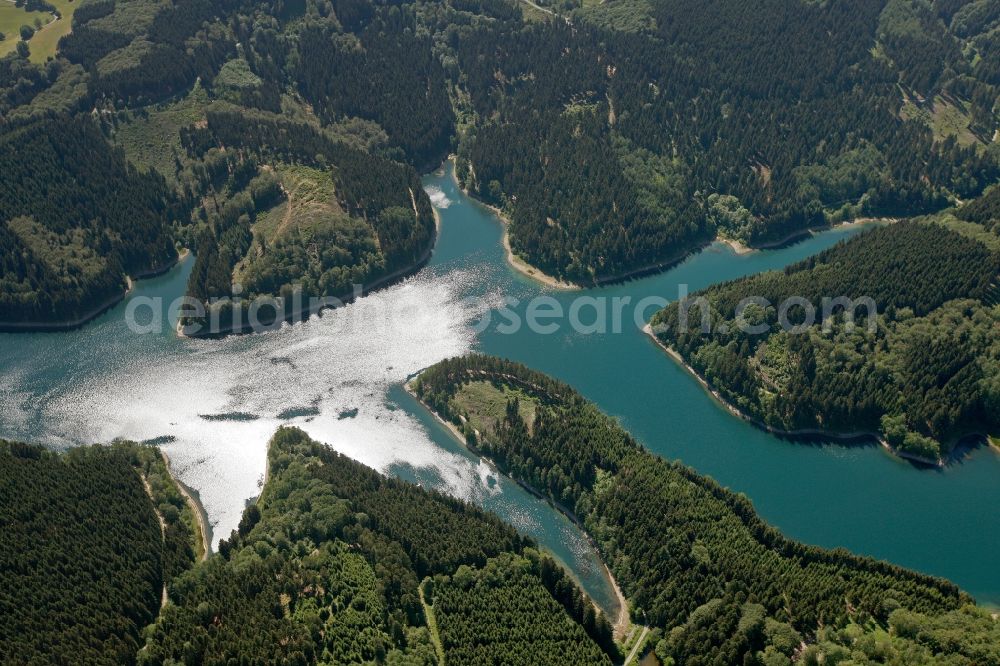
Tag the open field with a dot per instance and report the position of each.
(11, 20)
(151, 139)
(484, 404)
(946, 117)
(44, 43)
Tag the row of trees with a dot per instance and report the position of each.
(502, 613)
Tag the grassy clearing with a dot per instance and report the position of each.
(483, 404)
(533, 13)
(431, 622)
(945, 117)
(67, 254)
(311, 205)
(151, 137)
(11, 20)
(967, 229)
(620, 15)
(130, 18)
(46, 41)
(311, 202)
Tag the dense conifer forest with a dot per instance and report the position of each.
(281, 141)
(333, 555)
(693, 558)
(76, 218)
(616, 137)
(632, 131)
(920, 370)
(83, 558)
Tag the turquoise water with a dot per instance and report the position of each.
(943, 522)
(339, 377)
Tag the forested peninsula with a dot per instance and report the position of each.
(348, 566)
(919, 371)
(717, 584)
(217, 127)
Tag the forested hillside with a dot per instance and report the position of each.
(636, 130)
(693, 558)
(616, 138)
(75, 218)
(217, 103)
(921, 370)
(335, 554)
(83, 559)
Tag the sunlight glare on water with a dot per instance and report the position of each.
(328, 375)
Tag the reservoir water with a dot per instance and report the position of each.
(213, 404)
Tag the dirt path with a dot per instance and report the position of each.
(286, 220)
(638, 645)
(196, 510)
(623, 622)
(432, 625)
(163, 530)
(541, 9)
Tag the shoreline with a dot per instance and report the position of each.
(654, 268)
(793, 237)
(739, 248)
(94, 313)
(517, 263)
(305, 312)
(804, 433)
(623, 621)
(200, 515)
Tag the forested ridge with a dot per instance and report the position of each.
(366, 216)
(920, 370)
(693, 558)
(211, 101)
(326, 567)
(82, 558)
